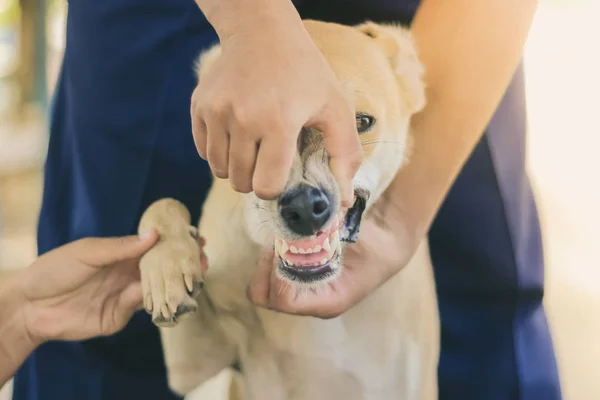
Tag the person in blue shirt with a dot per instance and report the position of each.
(128, 126)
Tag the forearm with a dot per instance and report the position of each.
(15, 343)
(470, 50)
(227, 16)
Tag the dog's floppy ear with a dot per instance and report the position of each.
(397, 43)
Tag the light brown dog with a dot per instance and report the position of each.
(387, 346)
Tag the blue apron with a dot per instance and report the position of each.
(121, 138)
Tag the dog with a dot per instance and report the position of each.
(385, 347)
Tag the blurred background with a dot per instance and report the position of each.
(563, 81)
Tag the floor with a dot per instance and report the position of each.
(563, 84)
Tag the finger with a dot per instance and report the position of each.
(259, 289)
(199, 132)
(129, 302)
(203, 264)
(267, 290)
(242, 159)
(217, 148)
(327, 301)
(203, 258)
(338, 125)
(273, 165)
(99, 252)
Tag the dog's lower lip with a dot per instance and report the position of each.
(312, 273)
(308, 269)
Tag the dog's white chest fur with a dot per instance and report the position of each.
(383, 348)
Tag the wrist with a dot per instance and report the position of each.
(17, 341)
(240, 17)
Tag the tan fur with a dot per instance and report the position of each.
(387, 346)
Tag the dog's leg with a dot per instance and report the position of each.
(196, 349)
(171, 271)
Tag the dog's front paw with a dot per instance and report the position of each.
(171, 274)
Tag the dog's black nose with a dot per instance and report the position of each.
(305, 209)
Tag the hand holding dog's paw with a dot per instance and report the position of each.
(172, 276)
(84, 289)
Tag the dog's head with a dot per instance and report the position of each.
(378, 66)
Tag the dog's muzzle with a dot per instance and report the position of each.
(306, 210)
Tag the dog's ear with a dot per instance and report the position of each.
(206, 60)
(398, 45)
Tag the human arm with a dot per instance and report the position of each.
(15, 342)
(84, 289)
(247, 115)
(470, 51)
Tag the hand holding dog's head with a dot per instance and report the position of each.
(306, 227)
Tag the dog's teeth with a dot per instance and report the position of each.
(333, 240)
(324, 261)
(284, 247)
(336, 239)
(308, 251)
(294, 250)
(326, 245)
(301, 251)
(317, 249)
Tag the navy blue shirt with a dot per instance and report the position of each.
(121, 138)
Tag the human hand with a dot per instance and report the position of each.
(87, 288)
(269, 82)
(385, 245)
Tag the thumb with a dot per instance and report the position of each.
(343, 146)
(98, 252)
(260, 286)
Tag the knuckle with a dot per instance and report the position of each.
(217, 106)
(247, 116)
(195, 100)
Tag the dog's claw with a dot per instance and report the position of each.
(163, 322)
(185, 310)
(193, 287)
(189, 284)
(170, 314)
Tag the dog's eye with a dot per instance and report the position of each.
(364, 123)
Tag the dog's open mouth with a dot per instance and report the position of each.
(317, 258)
